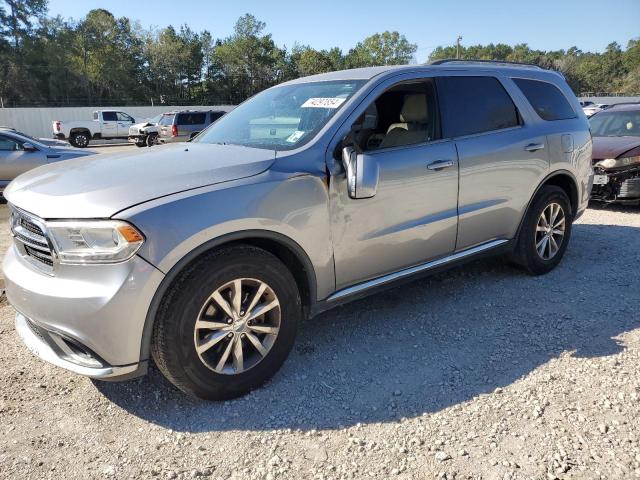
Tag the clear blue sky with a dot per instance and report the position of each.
(544, 24)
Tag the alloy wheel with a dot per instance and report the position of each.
(550, 231)
(237, 326)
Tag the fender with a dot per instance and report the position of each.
(283, 240)
(555, 173)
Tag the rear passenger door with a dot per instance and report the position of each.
(502, 158)
(189, 124)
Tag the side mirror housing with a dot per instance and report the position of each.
(29, 147)
(362, 173)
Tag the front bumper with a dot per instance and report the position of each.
(98, 311)
(53, 349)
(621, 185)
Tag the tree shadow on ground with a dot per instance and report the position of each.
(426, 345)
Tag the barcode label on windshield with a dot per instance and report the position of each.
(323, 102)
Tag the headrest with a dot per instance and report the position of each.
(414, 109)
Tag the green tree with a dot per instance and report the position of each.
(387, 48)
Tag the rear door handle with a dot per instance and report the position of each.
(440, 164)
(534, 147)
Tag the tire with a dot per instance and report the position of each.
(152, 139)
(79, 139)
(140, 144)
(191, 299)
(532, 252)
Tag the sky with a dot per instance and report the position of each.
(544, 24)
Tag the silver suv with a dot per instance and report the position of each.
(206, 256)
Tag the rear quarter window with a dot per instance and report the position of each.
(546, 99)
(472, 105)
(166, 120)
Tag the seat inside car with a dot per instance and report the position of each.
(413, 125)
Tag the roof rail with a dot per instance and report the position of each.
(622, 103)
(496, 62)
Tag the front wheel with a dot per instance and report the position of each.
(227, 323)
(152, 139)
(545, 232)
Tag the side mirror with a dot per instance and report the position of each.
(29, 147)
(362, 173)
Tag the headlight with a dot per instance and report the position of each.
(618, 162)
(99, 241)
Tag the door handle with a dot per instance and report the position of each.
(534, 147)
(440, 164)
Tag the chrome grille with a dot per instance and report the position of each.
(31, 239)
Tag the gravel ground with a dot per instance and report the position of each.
(480, 372)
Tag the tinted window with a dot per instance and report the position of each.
(191, 118)
(473, 105)
(215, 116)
(109, 116)
(546, 99)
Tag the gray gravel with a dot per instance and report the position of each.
(480, 372)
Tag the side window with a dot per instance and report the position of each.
(109, 117)
(406, 114)
(8, 145)
(198, 118)
(546, 99)
(123, 117)
(474, 105)
(215, 116)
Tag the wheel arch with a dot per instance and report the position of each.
(560, 178)
(284, 248)
(80, 130)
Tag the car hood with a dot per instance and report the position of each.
(102, 185)
(613, 147)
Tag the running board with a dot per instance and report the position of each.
(376, 282)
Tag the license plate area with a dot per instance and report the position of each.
(600, 179)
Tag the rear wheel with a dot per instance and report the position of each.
(545, 232)
(227, 323)
(79, 139)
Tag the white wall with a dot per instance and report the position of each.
(38, 121)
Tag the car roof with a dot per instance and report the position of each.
(367, 73)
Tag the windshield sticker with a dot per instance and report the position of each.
(323, 102)
(295, 136)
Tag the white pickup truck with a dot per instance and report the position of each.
(106, 124)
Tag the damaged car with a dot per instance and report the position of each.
(616, 154)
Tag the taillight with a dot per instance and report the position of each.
(58, 127)
(174, 130)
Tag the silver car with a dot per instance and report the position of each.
(20, 152)
(206, 256)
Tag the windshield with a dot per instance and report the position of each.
(281, 118)
(616, 124)
(167, 119)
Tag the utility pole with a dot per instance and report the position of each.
(458, 46)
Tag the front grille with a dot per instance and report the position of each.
(630, 188)
(31, 239)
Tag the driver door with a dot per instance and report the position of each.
(413, 217)
(14, 160)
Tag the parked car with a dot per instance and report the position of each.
(184, 125)
(616, 153)
(206, 258)
(145, 134)
(20, 152)
(106, 125)
(594, 108)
